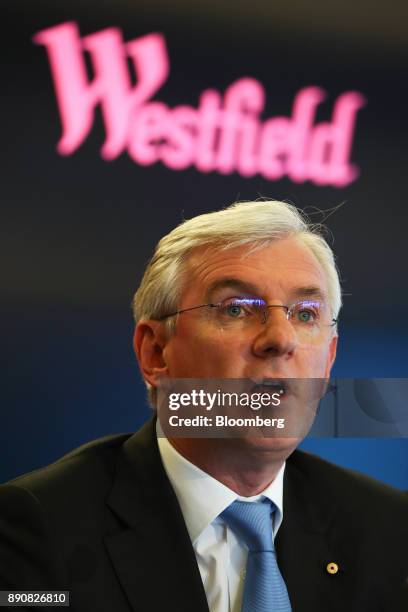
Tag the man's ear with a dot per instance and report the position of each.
(149, 341)
(332, 354)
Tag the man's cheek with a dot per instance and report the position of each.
(322, 365)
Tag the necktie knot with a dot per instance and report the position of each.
(252, 523)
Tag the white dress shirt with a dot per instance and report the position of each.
(221, 556)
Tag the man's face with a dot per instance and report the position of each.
(202, 348)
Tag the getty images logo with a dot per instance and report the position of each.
(223, 134)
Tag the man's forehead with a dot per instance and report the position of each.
(212, 267)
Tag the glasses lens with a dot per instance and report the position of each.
(307, 317)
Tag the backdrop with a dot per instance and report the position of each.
(123, 118)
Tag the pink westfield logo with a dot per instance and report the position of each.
(223, 134)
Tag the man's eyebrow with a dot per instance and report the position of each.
(231, 283)
(309, 292)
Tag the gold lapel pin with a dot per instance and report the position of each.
(332, 568)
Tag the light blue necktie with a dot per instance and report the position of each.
(264, 590)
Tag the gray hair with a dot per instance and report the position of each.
(256, 224)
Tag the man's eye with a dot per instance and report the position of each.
(236, 309)
(305, 316)
(307, 312)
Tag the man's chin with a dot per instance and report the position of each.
(279, 446)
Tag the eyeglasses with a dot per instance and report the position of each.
(310, 319)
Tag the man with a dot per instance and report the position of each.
(150, 522)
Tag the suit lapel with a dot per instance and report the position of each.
(152, 555)
(155, 562)
(310, 538)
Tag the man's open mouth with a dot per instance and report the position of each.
(278, 386)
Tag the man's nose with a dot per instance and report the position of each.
(276, 335)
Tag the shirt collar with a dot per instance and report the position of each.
(201, 497)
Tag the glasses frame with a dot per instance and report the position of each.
(263, 321)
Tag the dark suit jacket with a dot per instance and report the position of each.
(104, 523)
